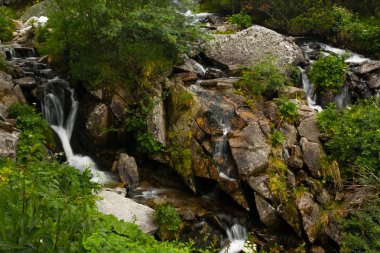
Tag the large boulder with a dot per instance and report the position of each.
(9, 93)
(249, 46)
(128, 171)
(8, 143)
(99, 119)
(117, 204)
(250, 150)
(312, 155)
(310, 213)
(267, 213)
(309, 129)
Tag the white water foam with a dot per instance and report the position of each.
(54, 113)
(237, 235)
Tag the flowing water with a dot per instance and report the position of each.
(60, 108)
(237, 235)
(309, 89)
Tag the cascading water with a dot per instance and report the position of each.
(237, 235)
(310, 91)
(59, 101)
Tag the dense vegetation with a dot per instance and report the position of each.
(328, 73)
(50, 207)
(117, 42)
(354, 140)
(355, 26)
(6, 24)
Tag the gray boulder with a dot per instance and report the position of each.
(261, 186)
(248, 47)
(128, 171)
(268, 214)
(8, 143)
(312, 155)
(126, 209)
(309, 129)
(310, 213)
(9, 93)
(250, 150)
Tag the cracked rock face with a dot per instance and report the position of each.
(247, 47)
(250, 149)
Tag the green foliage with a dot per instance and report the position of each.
(45, 207)
(287, 110)
(265, 76)
(6, 24)
(242, 20)
(328, 73)
(34, 135)
(354, 134)
(360, 35)
(50, 207)
(3, 64)
(316, 20)
(276, 138)
(118, 42)
(362, 231)
(136, 123)
(114, 236)
(169, 222)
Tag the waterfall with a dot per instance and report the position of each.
(310, 91)
(237, 235)
(60, 108)
(343, 98)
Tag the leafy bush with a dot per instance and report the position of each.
(6, 24)
(242, 20)
(287, 110)
(361, 229)
(169, 222)
(328, 73)
(3, 64)
(265, 76)
(354, 134)
(118, 42)
(276, 138)
(360, 35)
(317, 20)
(35, 133)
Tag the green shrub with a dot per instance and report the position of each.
(122, 42)
(35, 133)
(169, 222)
(287, 110)
(328, 73)
(316, 20)
(3, 64)
(361, 229)
(276, 138)
(265, 76)
(360, 35)
(354, 134)
(6, 24)
(242, 20)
